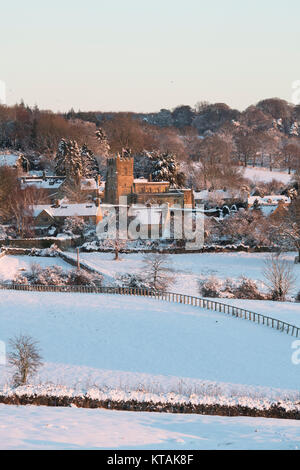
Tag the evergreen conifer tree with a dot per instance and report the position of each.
(90, 168)
(68, 160)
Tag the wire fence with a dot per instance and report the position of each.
(169, 297)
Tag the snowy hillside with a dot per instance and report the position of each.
(95, 340)
(258, 174)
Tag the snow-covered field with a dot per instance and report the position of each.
(99, 340)
(11, 266)
(285, 311)
(189, 267)
(73, 429)
(258, 174)
(144, 349)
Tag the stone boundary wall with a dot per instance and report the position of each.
(177, 250)
(277, 411)
(27, 243)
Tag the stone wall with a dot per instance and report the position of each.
(63, 244)
(276, 411)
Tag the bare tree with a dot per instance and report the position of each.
(24, 357)
(287, 227)
(157, 272)
(117, 245)
(246, 148)
(19, 207)
(291, 154)
(279, 277)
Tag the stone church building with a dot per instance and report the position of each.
(120, 181)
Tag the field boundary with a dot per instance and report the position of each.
(276, 410)
(200, 302)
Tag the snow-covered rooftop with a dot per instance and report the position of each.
(268, 209)
(9, 160)
(224, 194)
(49, 183)
(88, 184)
(269, 200)
(140, 180)
(67, 210)
(144, 180)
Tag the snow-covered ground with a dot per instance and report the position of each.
(96, 340)
(73, 429)
(11, 266)
(258, 174)
(285, 311)
(115, 347)
(189, 267)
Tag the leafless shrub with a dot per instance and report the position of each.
(56, 276)
(24, 357)
(157, 272)
(279, 277)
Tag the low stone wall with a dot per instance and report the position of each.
(68, 243)
(205, 249)
(63, 244)
(16, 251)
(275, 411)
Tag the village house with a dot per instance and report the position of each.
(50, 185)
(268, 205)
(47, 215)
(220, 197)
(55, 186)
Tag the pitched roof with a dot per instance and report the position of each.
(206, 194)
(269, 200)
(48, 183)
(67, 210)
(9, 159)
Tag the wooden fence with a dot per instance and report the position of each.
(169, 297)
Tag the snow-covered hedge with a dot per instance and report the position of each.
(243, 288)
(131, 281)
(56, 276)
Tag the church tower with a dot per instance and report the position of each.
(119, 178)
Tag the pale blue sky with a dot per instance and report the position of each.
(143, 55)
